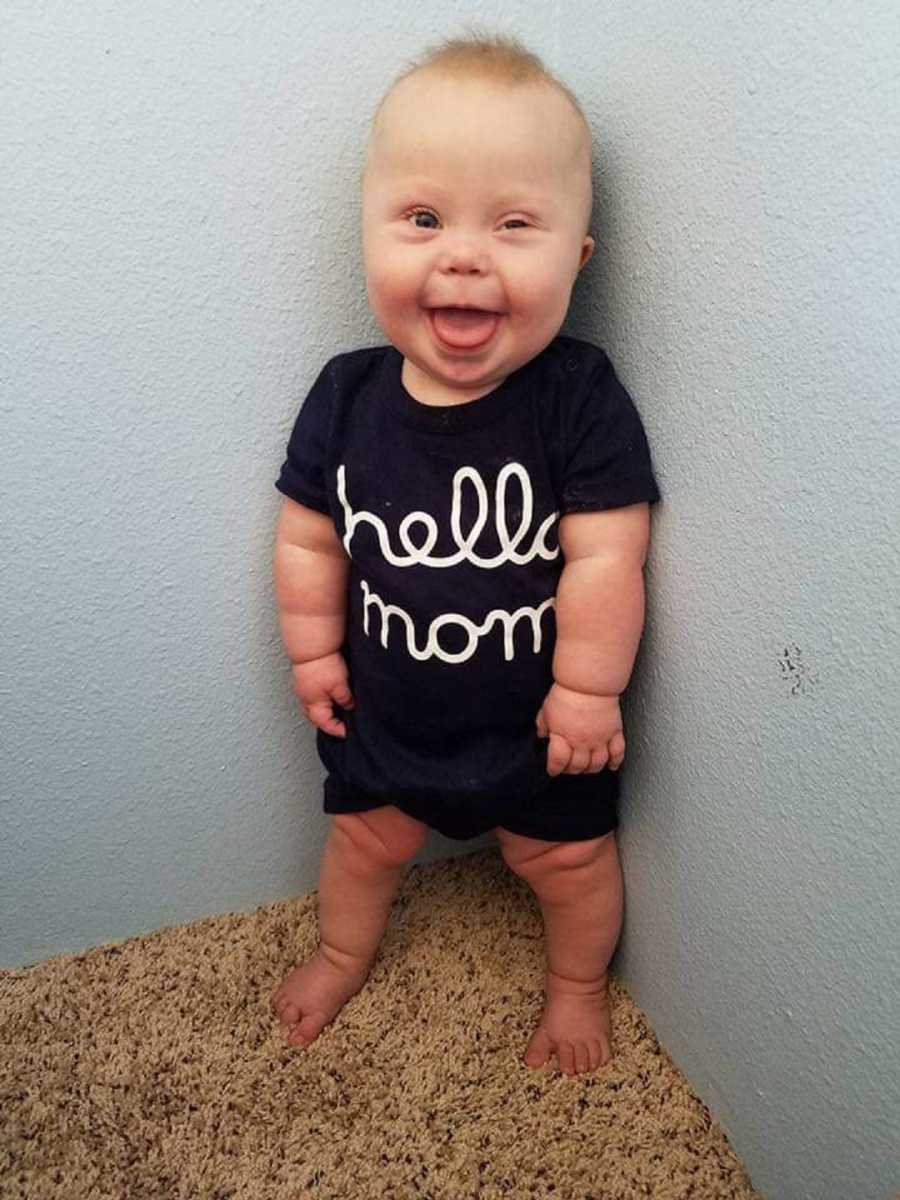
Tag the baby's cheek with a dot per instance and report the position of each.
(375, 286)
(390, 292)
(551, 284)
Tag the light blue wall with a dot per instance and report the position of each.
(748, 201)
(180, 212)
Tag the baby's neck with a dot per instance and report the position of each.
(430, 391)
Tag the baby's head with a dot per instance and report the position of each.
(476, 195)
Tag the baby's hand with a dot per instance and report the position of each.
(317, 684)
(585, 732)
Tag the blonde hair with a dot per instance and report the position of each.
(499, 58)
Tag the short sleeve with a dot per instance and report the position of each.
(607, 459)
(302, 475)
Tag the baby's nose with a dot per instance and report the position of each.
(465, 256)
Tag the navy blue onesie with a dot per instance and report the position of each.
(450, 518)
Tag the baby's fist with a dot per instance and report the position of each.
(320, 683)
(585, 732)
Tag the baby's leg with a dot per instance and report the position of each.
(580, 891)
(362, 869)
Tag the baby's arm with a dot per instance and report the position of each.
(311, 568)
(599, 619)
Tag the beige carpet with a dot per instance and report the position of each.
(152, 1069)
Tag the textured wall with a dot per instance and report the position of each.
(749, 197)
(180, 213)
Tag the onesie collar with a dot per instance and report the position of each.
(452, 418)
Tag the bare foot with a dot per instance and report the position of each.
(312, 995)
(575, 1024)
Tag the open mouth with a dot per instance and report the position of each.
(464, 328)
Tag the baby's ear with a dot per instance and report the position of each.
(587, 250)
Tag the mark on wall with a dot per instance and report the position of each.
(796, 672)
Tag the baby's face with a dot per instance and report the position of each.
(476, 196)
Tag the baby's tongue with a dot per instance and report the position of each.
(464, 326)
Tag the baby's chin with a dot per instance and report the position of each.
(450, 383)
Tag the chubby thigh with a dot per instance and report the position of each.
(385, 833)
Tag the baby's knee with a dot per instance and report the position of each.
(382, 835)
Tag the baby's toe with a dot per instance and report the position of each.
(308, 1029)
(278, 999)
(288, 1012)
(565, 1056)
(539, 1048)
(582, 1057)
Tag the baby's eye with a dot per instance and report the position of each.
(420, 212)
(516, 221)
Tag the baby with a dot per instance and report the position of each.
(459, 555)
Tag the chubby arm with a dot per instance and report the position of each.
(599, 620)
(311, 569)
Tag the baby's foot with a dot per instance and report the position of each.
(312, 995)
(575, 1024)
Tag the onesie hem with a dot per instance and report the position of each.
(571, 808)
